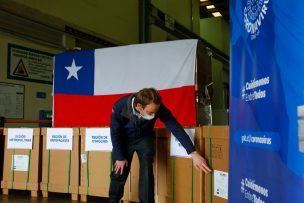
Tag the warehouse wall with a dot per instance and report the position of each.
(114, 21)
(216, 31)
(185, 12)
(32, 104)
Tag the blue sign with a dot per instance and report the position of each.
(267, 101)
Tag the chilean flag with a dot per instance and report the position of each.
(88, 83)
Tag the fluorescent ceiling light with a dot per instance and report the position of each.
(216, 14)
(203, 0)
(210, 6)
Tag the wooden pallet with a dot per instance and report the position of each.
(45, 194)
(84, 198)
(23, 186)
(34, 193)
(92, 192)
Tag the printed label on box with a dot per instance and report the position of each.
(176, 148)
(221, 184)
(83, 158)
(20, 162)
(98, 139)
(20, 138)
(59, 139)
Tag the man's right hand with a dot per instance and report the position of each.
(199, 162)
(120, 165)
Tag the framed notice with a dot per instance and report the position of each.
(11, 100)
(29, 64)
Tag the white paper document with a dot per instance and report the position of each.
(221, 184)
(83, 158)
(176, 148)
(20, 162)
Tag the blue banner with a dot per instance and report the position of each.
(267, 101)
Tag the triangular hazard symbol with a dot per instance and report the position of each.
(20, 69)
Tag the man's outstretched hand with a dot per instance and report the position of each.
(199, 162)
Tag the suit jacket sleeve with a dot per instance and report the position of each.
(177, 130)
(116, 129)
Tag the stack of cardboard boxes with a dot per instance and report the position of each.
(176, 179)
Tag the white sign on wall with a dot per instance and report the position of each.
(221, 184)
(30, 64)
(176, 148)
(59, 139)
(20, 162)
(20, 138)
(11, 100)
(98, 139)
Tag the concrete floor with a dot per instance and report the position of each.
(25, 196)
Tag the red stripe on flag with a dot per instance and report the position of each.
(95, 111)
(181, 102)
(83, 111)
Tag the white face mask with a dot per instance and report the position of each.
(148, 117)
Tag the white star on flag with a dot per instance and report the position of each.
(73, 69)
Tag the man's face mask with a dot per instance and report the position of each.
(148, 113)
(148, 117)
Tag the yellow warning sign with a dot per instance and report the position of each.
(20, 69)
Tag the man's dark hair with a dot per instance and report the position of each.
(147, 96)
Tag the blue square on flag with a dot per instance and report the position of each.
(74, 73)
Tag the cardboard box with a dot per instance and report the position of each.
(177, 178)
(162, 161)
(216, 142)
(95, 172)
(134, 175)
(60, 168)
(174, 176)
(134, 179)
(22, 180)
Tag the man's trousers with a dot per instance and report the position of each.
(145, 149)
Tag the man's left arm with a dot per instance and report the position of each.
(178, 131)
